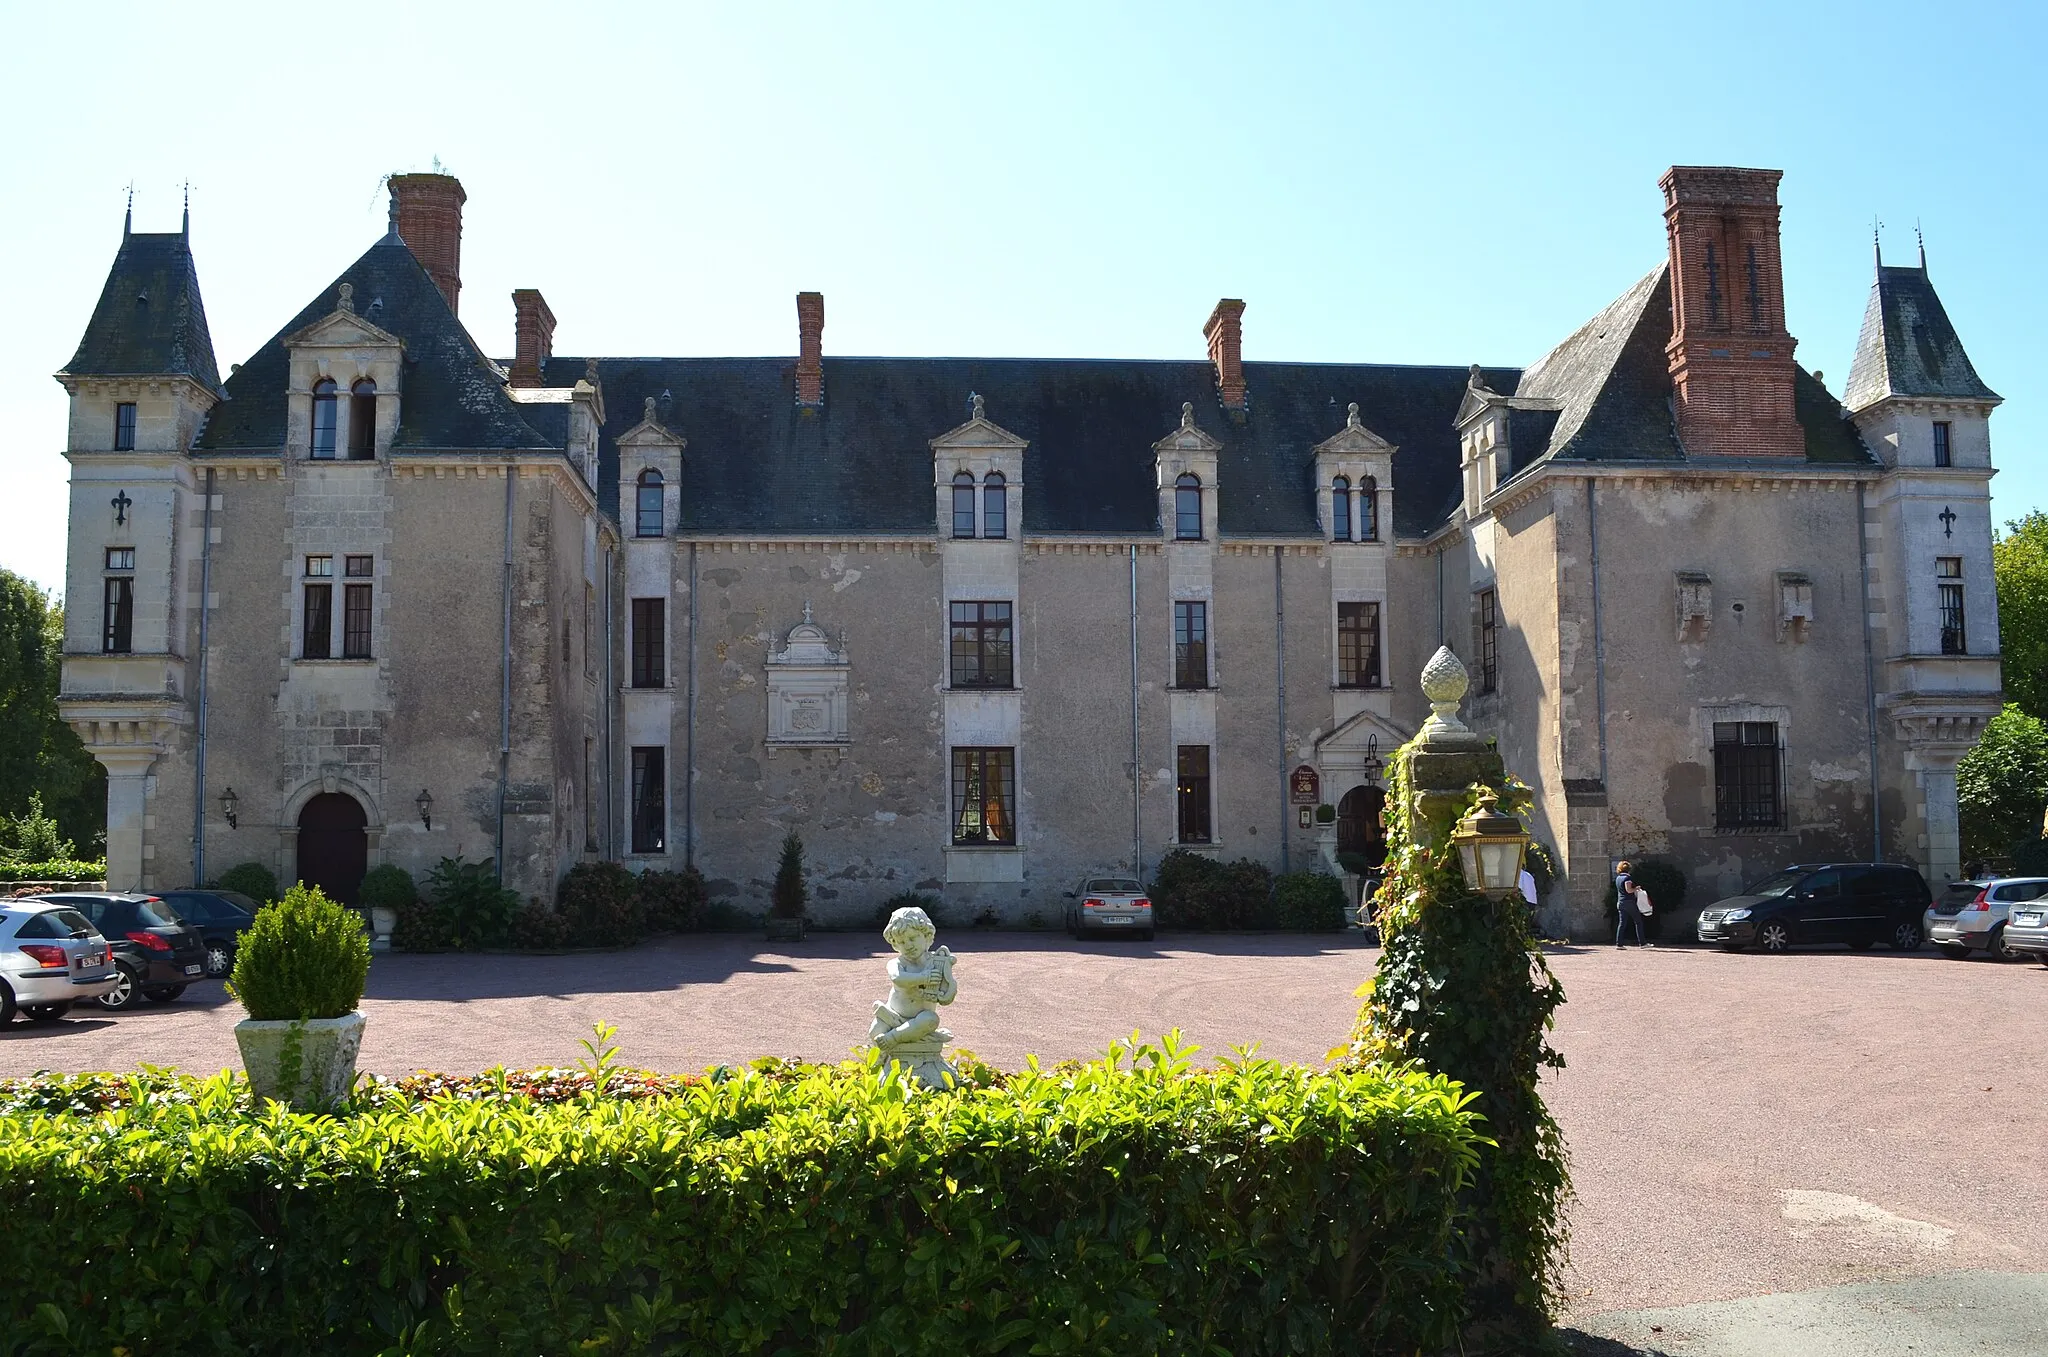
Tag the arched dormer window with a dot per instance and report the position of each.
(647, 504)
(1368, 510)
(995, 506)
(362, 421)
(1187, 509)
(963, 504)
(323, 419)
(1340, 509)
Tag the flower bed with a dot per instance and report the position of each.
(1133, 1205)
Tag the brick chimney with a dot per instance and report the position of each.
(1729, 356)
(1225, 333)
(427, 210)
(810, 348)
(533, 336)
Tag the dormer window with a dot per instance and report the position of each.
(324, 413)
(1340, 509)
(963, 504)
(362, 421)
(647, 512)
(995, 510)
(1368, 510)
(1187, 509)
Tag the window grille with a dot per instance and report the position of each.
(1368, 510)
(324, 419)
(995, 509)
(1358, 645)
(1191, 645)
(650, 800)
(650, 658)
(1747, 776)
(983, 654)
(124, 427)
(1187, 509)
(1489, 638)
(1340, 509)
(362, 421)
(1942, 455)
(963, 504)
(318, 639)
(355, 622)
(647, 511)
(118, 635)
(984, 796)
(1191, 766)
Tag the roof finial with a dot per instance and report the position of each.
(185, 227)
(807, 612)
(1922, 242)
(128, 221)
(1351, 416)
(1876, 243)
(1187, 414)
(347, 300)
(976, 405)
(1474, 377)
(647, 412)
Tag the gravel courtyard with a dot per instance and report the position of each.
(1739, 1124)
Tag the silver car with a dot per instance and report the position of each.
(51, 957)
(2026, 930)
(1973, 916)
(1109, 904)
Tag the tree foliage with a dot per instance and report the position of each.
(38, 752)
(791, 895)
(304, 957)
(2019, 558)
(2002, 785)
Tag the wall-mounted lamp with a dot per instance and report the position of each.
(426, 805)
(1373, 765)
(228, 804)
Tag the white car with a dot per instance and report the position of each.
(50, 958)
(1109, 904)
(1971, 915)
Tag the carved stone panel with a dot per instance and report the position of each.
(807, 687)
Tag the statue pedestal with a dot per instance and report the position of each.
(924, 1061)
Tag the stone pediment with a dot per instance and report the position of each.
(978, 432)
(342, 328)
(650, 432)
(1188, 437)
(807, 689)
(1354, 440)
(1356, 735)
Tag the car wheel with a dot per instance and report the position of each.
(2000, 950)
(45, 1012)
(163, 994)
(1774, 936)
(220, 959)
(1907, 937)
(1951, 950)
(7, 1003)
(122, 995)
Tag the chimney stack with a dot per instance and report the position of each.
(810, 348)
(1729, 356)
(1225, 333)
(533, 336)
(427, 210)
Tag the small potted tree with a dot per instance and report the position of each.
(385, 891)
(299, 971)
(786, 908)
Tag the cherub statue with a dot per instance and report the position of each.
(906, 1026)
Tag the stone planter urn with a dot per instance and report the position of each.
(383, 919)
(306, 1062)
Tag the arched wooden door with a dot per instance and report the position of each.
(1358, 824)
(334, 852)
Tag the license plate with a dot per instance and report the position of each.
(193, 970)
(88, 960)
(2029, 917)
(1116, 921)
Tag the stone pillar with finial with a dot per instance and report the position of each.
(1446, 757)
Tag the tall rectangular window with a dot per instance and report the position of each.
(118, 636)
(1955, 638)
(984, 796)
(1942, 455)
(317, 642)
(355, 622)
(124, 427)
(650, 648)
(589, 801)
(982, 652)
(995, 509)
(1489, 636)
(650, 800)
(963, 504)
(1191, 645)
(362, 421)
(1746, 776)
(1368, 510)
(1191, 792)
(1358, 645)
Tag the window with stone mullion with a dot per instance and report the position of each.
(982, 654)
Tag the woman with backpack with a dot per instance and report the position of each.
(1628, 907)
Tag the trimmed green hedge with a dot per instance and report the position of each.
(53, 871)
(1126, 1207)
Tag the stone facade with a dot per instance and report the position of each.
(982, 627)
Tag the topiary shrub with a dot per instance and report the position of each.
(1309, 902)
(1191, 891)
(306, 957)
(252, 879)
(791, 894)
(474, 907)
(387, 887)
(601, 904)
(1666, 885)
(1326, 814)
(673, 902)
(536, 928)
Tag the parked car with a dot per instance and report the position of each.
(1972, 916)
(220, 916)
(1857, 903)
(156, 954)
(2026, 932)
(50, 958)
(1111, 904)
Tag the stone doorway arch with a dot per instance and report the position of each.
(1358, 825)
(334, 845)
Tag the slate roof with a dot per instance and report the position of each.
(1907, 346)
(150, 320)
(451, 395)
(754, 462)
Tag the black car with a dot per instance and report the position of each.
(1857, 903)
(156, 954)
(220, 916)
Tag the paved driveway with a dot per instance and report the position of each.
(1739, 1124)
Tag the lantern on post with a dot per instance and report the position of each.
(1490, 845)
(1373, 765)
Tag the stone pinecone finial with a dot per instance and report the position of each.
(1444, 683)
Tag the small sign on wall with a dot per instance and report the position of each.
(1305, 817)
(1305, 788)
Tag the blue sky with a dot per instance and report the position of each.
(1381, 183)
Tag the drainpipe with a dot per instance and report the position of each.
(1869, 680)
(1440, 594)
(1137, 825)
(1599, 637)
(505, 684)
(690, 719)
(1280, 696)
(611, 702)
(199, 774)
